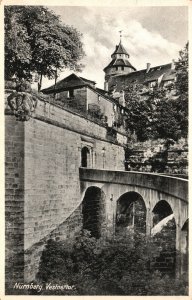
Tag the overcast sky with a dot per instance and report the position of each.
(150, 34)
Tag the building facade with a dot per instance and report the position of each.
(120, 73)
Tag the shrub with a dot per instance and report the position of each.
(117, 265)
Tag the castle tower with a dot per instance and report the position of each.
(119, 65)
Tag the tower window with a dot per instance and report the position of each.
(122, 68)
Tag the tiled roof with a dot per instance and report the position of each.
(70, 81)
(88, 81)
(169, 75)
(103, 92)
(119, 62)
(153, 74)
(120, 50)
(74, 81)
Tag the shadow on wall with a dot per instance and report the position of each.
(93, 210)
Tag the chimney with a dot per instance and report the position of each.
(106, 87)
(173, 64)
(148, 67)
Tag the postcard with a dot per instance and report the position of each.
(96, 139)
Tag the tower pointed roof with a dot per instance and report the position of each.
(120, 49)
(117, 60)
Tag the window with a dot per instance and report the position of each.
(99, 98)
(57, 96)
(71, 93)
(116, 68)
(84, 157)
(122, 68)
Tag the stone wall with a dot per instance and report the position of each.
(165, 241)
(105, 105)
(74, 121)
(52, 161)
(43, 156)
(68, 229)
(156, 156)
(14, 201)
(93, 211)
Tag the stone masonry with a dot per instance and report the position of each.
(43, 156)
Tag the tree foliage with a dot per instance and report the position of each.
(37, 42)
(163, 111)
(119, 265)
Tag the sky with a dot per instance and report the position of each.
(150, 35)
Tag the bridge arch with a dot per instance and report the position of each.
(131, 212)
(161, 210)
(184, 246)
(164, 233)
(185, 237)
(93, 211)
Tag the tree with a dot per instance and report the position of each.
(139, 112)
(37, 42)
(17, 48)
(163, 111)
(181, 87)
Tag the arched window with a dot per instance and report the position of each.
(84, 157)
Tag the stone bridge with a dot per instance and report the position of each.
(48, 195)
(106, 195)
